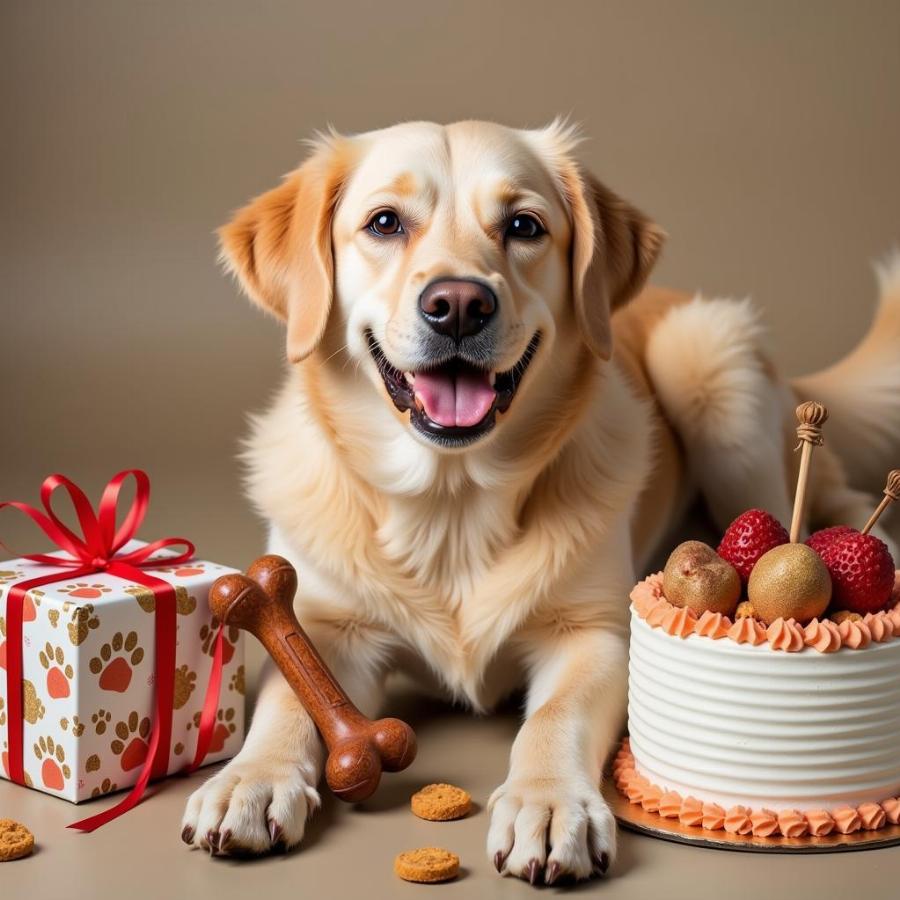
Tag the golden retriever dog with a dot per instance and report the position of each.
(487, 426)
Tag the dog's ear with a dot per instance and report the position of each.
(614, 247)
(279, 246)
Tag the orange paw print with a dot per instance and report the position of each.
(116, 662)
(187, 570)
(59, 672)
(223, 729)
(54, 770)
(130, 744)
(208, 640)
(81, 590)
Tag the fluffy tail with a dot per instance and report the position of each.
(862, 392)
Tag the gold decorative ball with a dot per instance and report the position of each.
(789, 582)
(697, 577)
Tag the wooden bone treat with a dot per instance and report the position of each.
(261, 602)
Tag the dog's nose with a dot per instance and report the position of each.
(457, 307)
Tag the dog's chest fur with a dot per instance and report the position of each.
(458, 562)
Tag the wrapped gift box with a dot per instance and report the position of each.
(88, 672)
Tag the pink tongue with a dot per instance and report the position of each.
(458, 398)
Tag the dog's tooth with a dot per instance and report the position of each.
(420, 406)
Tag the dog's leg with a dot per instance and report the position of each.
(548, 819)
(264, 796)
(708, 365)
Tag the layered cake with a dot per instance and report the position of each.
(764, 693)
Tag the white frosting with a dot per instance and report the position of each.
(737, 724)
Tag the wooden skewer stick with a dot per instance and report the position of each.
(891, 493)
(811, 416)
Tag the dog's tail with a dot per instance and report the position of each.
(862, 392)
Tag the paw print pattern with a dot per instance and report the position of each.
(53, 617)
(185, 604)
(92, 763)
(84, 621)
(77, 726)
(223, 729)
(2, 711)
(8, 575)
(131, 741)
(81, 590)
(32, 708)
(116, 662)
(184, 686)
(187, 570)
(208, 640)
(59, 672)
(52, 757)
(237, 681)
(101, 720)
(105, 787)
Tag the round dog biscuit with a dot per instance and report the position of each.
(441, 803)
(428, 865)
(16, 840)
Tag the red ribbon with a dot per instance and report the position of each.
(97, 550)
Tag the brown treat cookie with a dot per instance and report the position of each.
(441, 803)
(427, 865)
(16, 840)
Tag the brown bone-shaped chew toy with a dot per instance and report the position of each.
(261, 602)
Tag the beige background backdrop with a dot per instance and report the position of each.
(764, 136)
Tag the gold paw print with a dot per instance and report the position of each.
(185, 604)
(92, 763)
(130, 744)
(223, 729)
(2, 711)
(101, 720)
(77, 726)
(8, 575)
(83, 623)
(105, 787)
(53, 616)
(33, 709)
(208, 640)
(237, 681)
(116, 662)
(184, 686)
(54, 770)
(59, 672)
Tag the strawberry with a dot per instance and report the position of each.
(824, 538)
(862, 573)
(748, 537)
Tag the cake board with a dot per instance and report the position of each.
(634, 817)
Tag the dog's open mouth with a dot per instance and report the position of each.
(455, 402)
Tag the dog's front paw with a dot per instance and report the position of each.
(251, 806)
(548, 829)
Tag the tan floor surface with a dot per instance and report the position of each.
(349, 850)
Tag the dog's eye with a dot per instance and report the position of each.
(385, 223)
(524, 226)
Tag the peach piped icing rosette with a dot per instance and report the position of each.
(785, 635)
(742, 820)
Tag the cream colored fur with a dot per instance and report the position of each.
(506, 564)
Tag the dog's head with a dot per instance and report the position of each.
(452, 264)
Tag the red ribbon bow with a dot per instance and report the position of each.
(97, 550)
